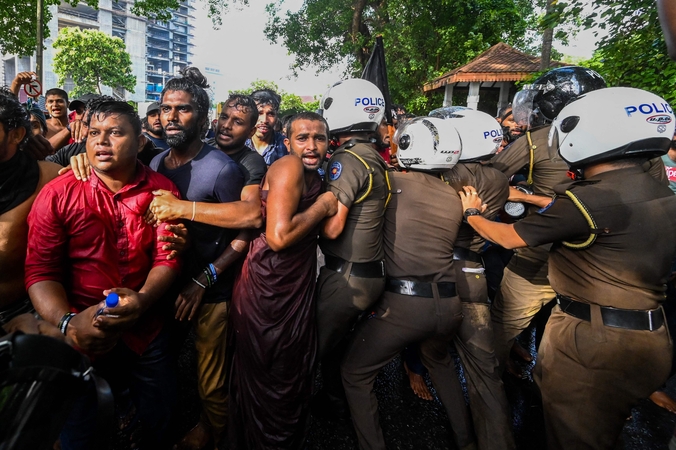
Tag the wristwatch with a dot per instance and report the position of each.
(472, 212)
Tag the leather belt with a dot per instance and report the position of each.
(373, 269)
(419, 289)
(630, 319)
(463, 254)
(15, 309)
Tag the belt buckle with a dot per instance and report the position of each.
(408, 288)
(650, 320)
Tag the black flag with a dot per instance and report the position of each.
(376, 73)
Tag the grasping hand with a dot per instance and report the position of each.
(470, 199)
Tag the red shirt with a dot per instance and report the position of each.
(90, 239)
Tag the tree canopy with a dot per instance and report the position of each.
(92, 59)
(18, 18)
(634, 52)
(290, 102)
(423, 38)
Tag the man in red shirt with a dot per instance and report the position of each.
(87, 239)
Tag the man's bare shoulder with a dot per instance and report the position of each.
(53, 127)
(286, 165)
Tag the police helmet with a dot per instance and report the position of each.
(480, 134)
(610, 124)
(539, 103)
(428, 143)
(353, 106)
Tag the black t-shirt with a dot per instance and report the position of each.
(252, 165)
(250, 162)
(63, 155)
(159, 143)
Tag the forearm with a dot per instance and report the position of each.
(538, 200)
(333, 226)
(14, 87)
(158, 281)
(49, 300)
(500, 233)
(241, 214)
(60, 139)
(230, 255)
(284, 235)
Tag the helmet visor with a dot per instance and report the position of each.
(523, 107)
(447, 112)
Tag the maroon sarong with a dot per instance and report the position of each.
(273, 324)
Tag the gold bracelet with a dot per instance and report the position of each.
(194, 206)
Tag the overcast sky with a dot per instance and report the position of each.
(242, 54)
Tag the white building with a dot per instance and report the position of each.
(157, 50)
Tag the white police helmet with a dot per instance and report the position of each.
(428, 143)
(353, 106)
(612, 123)
(480, 134)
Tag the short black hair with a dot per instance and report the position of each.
(101, 110)
(264, 97)
(194, 83)
(305, 115)
(244, 101)
(502, 112)
(13, 115)
(59, 92)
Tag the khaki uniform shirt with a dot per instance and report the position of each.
(421, 225)
(493, 189)
(628, 264)
(348, 178)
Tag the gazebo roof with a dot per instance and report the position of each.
(499, 63)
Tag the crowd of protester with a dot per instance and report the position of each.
(336, 241)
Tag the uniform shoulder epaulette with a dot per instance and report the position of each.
(567, 190)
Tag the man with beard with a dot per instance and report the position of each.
(154, 130)
(236, 124)
(266, 141)
(273, 301)
(511, 130)
(205, 174)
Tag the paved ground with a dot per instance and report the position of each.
(411, 423)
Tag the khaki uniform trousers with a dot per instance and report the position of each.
(474, 342)
(341, 298)
(516, 303)
(402, 320)
(210, 336)
(591, 376)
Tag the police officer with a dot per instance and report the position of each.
(525, 288)
(420, 302)
(481, 136)
(354, 275)
(605, 346)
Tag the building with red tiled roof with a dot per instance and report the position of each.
(494, 72)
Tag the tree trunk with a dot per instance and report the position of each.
(356, 29)
(547, 38)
